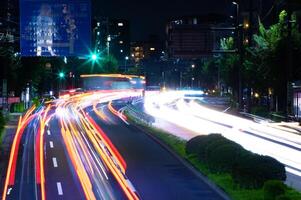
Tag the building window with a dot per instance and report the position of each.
(195, 21)
(152, 49)
(120, 42)
(98, 23)
(120, 24)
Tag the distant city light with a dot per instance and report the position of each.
(152, 49)
(120, 24)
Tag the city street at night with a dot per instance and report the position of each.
(154, 100)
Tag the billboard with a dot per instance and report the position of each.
(55, 27)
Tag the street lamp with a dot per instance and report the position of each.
(239, 47)
(192, 79)
(125, 62)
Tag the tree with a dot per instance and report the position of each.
(265, 65)
(227, 63)
(109, 64)
(12, 63)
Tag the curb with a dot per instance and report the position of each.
(213, 186)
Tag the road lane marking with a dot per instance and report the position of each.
(59, 188)
(51, 144)
(9, 190)
(54, 162)
(48, 132)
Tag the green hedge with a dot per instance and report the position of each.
(221, 155)
(17, 107)
(274, 189)
(2, 124)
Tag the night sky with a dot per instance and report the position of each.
(150, 16)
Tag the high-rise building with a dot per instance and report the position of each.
(112, 36)
(9, 22)
(146, 50)
(194, 37)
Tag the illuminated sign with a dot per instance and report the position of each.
(55, 28)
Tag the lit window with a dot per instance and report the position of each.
(152, 49)
(98, 33)
(98, 23)
(120, 42)
(120, 24)
(121, 50)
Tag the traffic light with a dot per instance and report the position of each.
(61, 75)
(94, 56)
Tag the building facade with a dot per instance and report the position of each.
(112, 37)
(194, 37)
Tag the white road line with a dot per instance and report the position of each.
(48, 132)
(54, 162)
(59, 188)
(8, 191)
(51, 144)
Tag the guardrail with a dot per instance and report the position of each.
(256, 118)
(140, 115)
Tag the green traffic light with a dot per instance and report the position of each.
(94, 56)
(61, 75)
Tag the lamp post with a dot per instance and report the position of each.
(192, 74)
(125, 63)
(240, 50)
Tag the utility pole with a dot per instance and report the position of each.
(288, 101)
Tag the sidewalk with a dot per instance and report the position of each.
(8, 135)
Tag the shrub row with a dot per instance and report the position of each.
(220, 155)
(17, 107)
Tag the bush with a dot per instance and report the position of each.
(273, 189)
(212, 145)
(223, 158)
(222, 155)
(253, 170)
(17, 107)
(193, 144)
(283, 197)
(199, 144)
(2, 121)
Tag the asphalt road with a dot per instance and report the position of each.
(154, 171)
(61, 181)
(25, 185)
(65, 147)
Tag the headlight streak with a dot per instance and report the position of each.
(88, 146)
(11, 169)
(264, 138)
